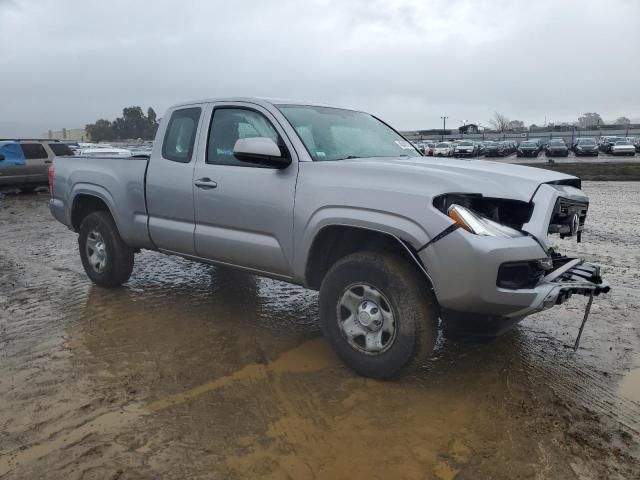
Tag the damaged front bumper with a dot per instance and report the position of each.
(573, 276)
(570, 276)
(467, 269)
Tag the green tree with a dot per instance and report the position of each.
(152, 124)
(132, 124)
(100, 131)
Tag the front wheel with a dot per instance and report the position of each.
(106, 259)
(378, 313)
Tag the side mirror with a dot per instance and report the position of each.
(260, 150)
(1, 157)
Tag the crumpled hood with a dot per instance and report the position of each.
(492, 179)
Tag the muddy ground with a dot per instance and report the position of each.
(193, 372)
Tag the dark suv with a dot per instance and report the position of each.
(585, 146)
(529, 148)
(557, 148)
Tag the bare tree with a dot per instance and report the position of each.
(499, 122)
(622, 121)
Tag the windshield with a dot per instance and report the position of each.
(528, 144)
(622, 142)
(557, 143)
(587, 142)
(465, 144)
(442, 145)
(336, 134)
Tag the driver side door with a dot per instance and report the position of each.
(244, 211)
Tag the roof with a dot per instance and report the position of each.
(263, 101)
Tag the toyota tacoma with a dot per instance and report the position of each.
(337, 201)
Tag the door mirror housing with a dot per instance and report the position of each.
(262, 151)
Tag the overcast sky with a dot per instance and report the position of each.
(66, 63)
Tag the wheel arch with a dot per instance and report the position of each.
(85, 203)
(335, 241)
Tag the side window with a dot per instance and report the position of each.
(61, 149)
(34, 151)
(231, 124)
(181, 135)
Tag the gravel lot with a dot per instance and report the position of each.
(195, 372)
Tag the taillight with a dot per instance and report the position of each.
(52, 172)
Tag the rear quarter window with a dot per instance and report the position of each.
(33, 151)
(181, 134)
(60, 149)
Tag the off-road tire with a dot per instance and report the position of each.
(413, 304)
(120, 256)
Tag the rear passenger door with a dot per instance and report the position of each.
(244, 211)
(169, 183)
(37, 158)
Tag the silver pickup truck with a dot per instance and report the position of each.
(337, 201)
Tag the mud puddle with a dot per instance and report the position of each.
(630, 386)
(196, 372)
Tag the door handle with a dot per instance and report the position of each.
(205, 183)
(47, 161)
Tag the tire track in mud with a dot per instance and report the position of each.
(70, 353)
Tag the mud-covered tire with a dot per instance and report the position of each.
(119, 256)
(413, 305)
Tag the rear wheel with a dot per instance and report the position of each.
(106, 259)
(378, 313)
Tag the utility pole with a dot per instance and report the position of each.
(444, 126)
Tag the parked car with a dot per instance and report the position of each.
(557, 148)
(607, 142)
(528, 149)
(494, 149)
(635, 141)
(37, 155)
(443, 149)
(585, 146)
(466, 149)
(623, 147)
(508, 147)
(269, 189)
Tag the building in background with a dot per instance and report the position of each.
(469, 128)
(75, 134)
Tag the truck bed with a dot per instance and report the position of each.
(119, 182)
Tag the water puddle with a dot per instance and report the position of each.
(630, 386)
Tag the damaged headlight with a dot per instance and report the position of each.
(478, 224)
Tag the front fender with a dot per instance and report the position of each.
(402, 228)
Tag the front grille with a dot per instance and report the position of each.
(562, 219)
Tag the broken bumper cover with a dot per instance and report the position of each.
(573, 276)
(464, 270)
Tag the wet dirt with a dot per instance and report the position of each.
(190, 371)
